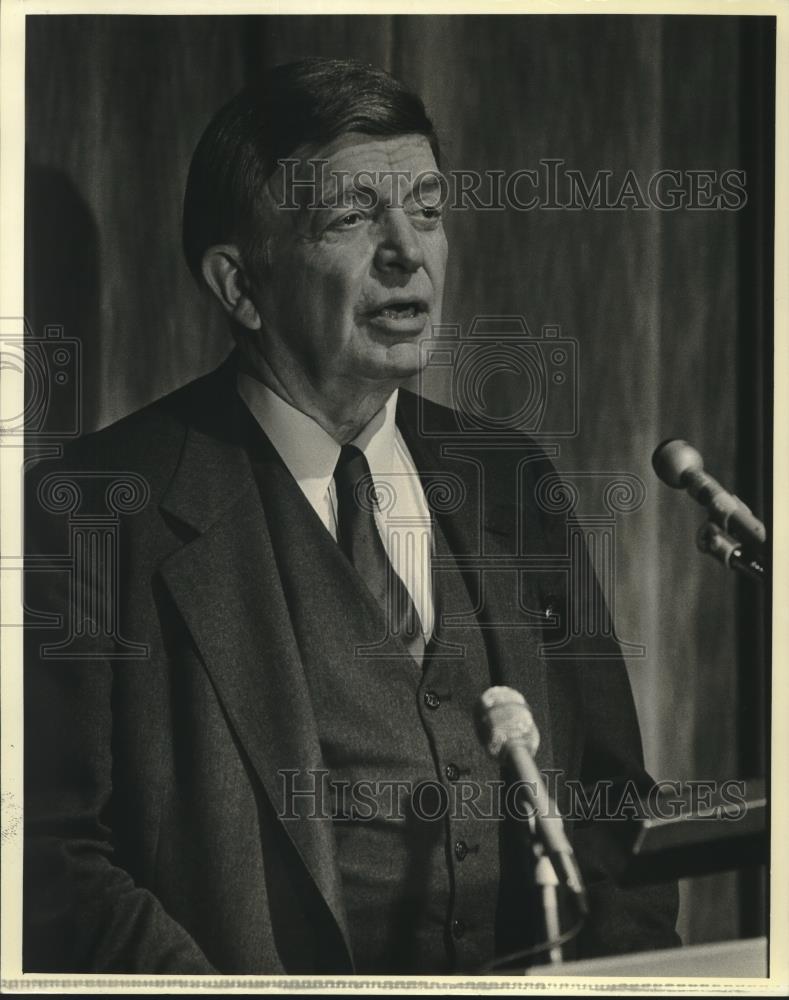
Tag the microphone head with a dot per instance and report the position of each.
(674, 459)
(502, 715)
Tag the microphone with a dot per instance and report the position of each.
(507, 730)
(680, 466)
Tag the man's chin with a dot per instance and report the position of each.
(402, 361)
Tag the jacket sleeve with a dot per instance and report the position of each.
(82, 912)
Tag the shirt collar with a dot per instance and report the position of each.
(309, 452)
(377, 439)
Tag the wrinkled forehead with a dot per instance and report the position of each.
(328, 174)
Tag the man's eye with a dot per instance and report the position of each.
(348, 221)
(427, 213)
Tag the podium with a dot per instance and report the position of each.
(722, 836)
(724, 960)
(678, 843)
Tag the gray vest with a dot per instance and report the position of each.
(410, 789)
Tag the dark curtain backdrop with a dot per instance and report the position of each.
(670, 309)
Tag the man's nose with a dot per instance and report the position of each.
(399, 248)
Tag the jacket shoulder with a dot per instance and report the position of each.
(148, 438)
(134, 457)
(446, 424)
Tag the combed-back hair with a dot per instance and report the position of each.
(307, 102)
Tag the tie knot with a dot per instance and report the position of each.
(353, 478)
(349, 453)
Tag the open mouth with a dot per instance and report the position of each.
(407, 309)
(403, 311)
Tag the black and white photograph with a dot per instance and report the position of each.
(393, 484)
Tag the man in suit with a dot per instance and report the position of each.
(304, 607)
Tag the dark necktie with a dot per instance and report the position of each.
(360, 540)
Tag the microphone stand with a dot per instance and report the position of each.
(716, 543)
(545, 877)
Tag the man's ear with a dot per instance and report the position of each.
(223, 271)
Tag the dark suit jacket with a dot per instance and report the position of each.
(153, 842)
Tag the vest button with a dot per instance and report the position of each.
(432, 700)
(461, 849)
(458, 928)
(452, 771)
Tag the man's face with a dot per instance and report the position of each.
(355, 282)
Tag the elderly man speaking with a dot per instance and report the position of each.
(277, 768)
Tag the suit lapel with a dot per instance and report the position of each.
(485, 524)
(226, 585)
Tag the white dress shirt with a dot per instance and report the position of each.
(310, 454)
